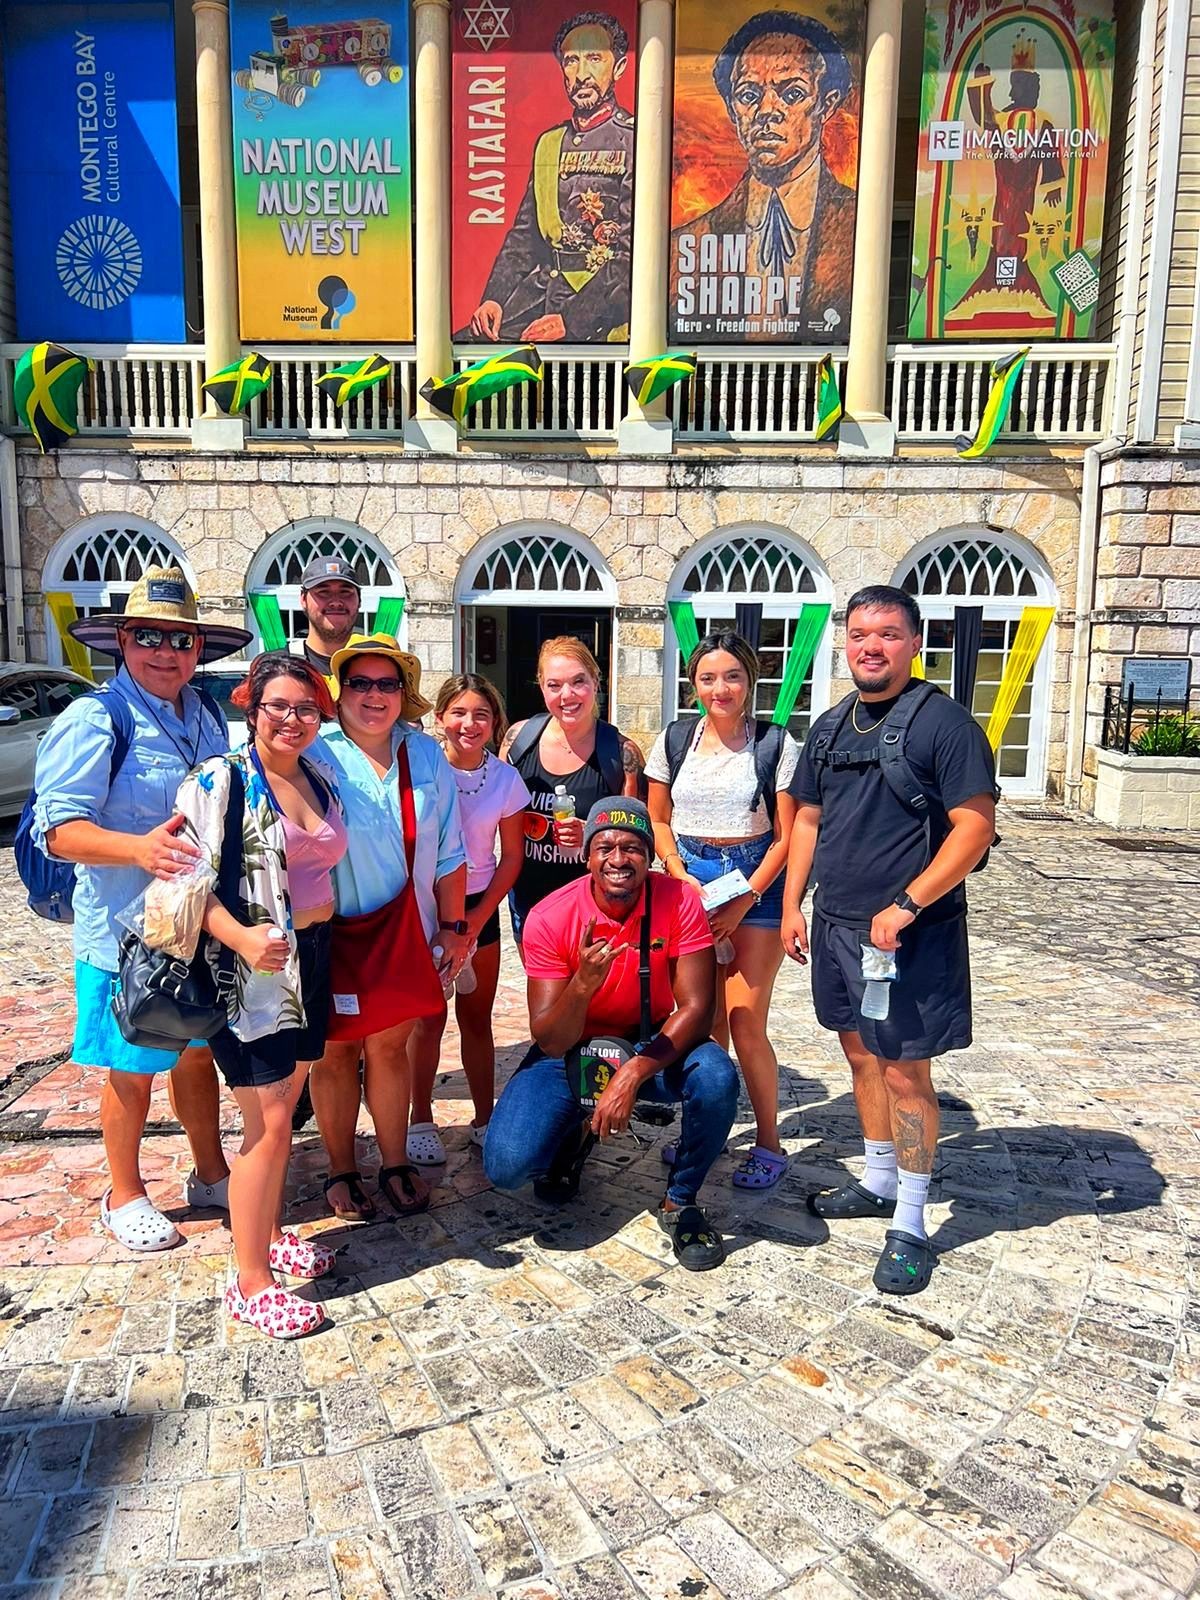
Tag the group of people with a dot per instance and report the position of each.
(375, 857)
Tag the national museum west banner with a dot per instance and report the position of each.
(321, 171)
(542, 153)
(1015, 102)
(93, 171)
(765, 167)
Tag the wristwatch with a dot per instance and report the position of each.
(459, 927)
(906, 903)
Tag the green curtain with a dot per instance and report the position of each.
(387, 618)
(270, 621)
(683, 620)
(809, 628)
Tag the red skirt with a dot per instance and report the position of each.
(381, 969)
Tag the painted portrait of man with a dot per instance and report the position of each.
(772, 259)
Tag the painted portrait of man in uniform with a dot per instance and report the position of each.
(562, 269)
(771, 259)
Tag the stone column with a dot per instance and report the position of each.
(427, 429)
(865, 429)
(647, 430)
(218, 236)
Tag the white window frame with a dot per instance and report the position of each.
(288, 594)
(710, 603)
(467, 594)
(1000, 608)
(94, 596)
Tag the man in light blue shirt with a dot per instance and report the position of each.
(121, 830)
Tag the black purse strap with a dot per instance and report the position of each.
(644, 971)
(229, 868)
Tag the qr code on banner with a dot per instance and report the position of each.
(1006, 269)
(1078, 280)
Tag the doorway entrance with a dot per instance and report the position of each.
(508, 639)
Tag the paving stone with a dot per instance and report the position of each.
(1096, 1574)
(662, 1571)
(569, 1431)
(19, 1519)
(53, 1459)
(558, 1522)
(178, 1447)
(735, 1566)
(500, 1542)
(295, 1428)
(775, 1528)
(237, 1437)
(209, 1510)
(353, 1414)
(71, 1536)
(365, 1568)
(336, 1494)
(598, 1579)
(934, 1558)
(273, 1509)
(230, 1580)
(616, 1502)
(140, 1531)
(399, 1474)
(120, 1447)
(516, 1447)
(433, 1557)
(298, 1573)
(460, 1465)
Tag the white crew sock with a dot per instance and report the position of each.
(912, 1190)
(880, 1174)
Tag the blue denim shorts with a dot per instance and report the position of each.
(706, 862)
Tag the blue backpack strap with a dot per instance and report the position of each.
(677, 737)
(124, 730)
(609, 757)
(768, 747)
(527, 740)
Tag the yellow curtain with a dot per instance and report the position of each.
(918, 667)
(1031, 634)
(62, 609)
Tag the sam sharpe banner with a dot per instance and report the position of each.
(321, 172)
(1015, 102)
(542, 152)
(765, 163)
(93, 171)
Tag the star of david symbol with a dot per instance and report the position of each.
(485, 23)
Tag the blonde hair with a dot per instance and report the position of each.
(568, 645)
(473, 683)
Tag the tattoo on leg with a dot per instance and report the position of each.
(914, 1152)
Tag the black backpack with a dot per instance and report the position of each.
(897, 770)
(768, 748)
(608, 750)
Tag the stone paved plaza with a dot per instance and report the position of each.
(514, 1401)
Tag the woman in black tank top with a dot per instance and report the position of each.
(572, 747)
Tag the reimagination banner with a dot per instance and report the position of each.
(93, 172)
(321, 172)
(765, 168)
(1015, 102)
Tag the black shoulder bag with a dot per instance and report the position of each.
(163, 1003)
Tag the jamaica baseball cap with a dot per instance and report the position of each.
(618, 812)
(328, 569)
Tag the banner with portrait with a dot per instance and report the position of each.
(765, 169)
(542, 140)
(1015, 105)
(321, 172)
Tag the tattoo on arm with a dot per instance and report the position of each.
(631, 756)
(506, 743)
(914, 1150)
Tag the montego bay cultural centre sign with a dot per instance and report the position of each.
(765, 167)
(542, 160)
(1015, 102)
(321, 170)
(93, 171)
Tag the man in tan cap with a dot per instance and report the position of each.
(105, 783)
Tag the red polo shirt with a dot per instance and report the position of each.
(554, 930)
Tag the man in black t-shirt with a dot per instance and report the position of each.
(890, 856)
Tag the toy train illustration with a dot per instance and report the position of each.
(293, 65)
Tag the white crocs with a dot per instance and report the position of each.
(478, 1135)
(206, 1196)
(425, 1147)
(139, 1225)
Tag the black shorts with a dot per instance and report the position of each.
(929, 1008)
(253, 1064)
(490, 932)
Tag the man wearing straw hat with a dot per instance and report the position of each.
(120, 828)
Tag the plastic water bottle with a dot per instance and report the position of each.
(466, 982)
(438, 952)
(725, 952)
(563, 808)
(879, 972)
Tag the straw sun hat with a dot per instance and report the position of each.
(161, 595)
(383, 644)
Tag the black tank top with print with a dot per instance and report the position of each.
(547, 867)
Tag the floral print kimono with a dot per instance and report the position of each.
(263, 1002)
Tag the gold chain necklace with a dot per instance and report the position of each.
(874, 725)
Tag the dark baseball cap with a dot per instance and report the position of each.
(631, 816)
(328, 569)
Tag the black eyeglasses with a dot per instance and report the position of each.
(361, 684)
(152, 638)
(281, 710)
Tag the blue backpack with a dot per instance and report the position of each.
(50, 883)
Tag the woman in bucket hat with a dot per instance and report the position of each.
(120, 828)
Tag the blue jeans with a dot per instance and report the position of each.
(707, 862)
(537, 1110)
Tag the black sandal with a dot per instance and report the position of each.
(696, 1243)
(851, 1200)
(560, 1182)
(906, 1265)
(414, 1201)
(361, 1207)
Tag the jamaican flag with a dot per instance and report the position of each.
(829, 401)
(343, 383)
(454, 396)
(1005, 375)
(46, 384)
(234, 387)
(646, 380)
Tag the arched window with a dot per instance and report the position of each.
(96, 564)
(277, 568)
(1000, 574)
(766, 567)
(516, 566)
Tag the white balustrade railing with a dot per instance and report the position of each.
(746, 395)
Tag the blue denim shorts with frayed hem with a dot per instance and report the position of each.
(707, 862)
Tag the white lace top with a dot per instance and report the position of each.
(712, 794)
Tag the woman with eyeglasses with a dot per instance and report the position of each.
(293, 835)
(401, 926)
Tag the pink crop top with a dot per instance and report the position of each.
(311, 858)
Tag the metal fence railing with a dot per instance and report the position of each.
(1158, 725)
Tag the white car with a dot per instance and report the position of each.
(31, 696)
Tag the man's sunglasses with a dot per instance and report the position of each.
(152, 638)
(361, 684)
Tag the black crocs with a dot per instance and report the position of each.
(696, 1243)
(906, 1265)
(851, 1200)
(560, 1182)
